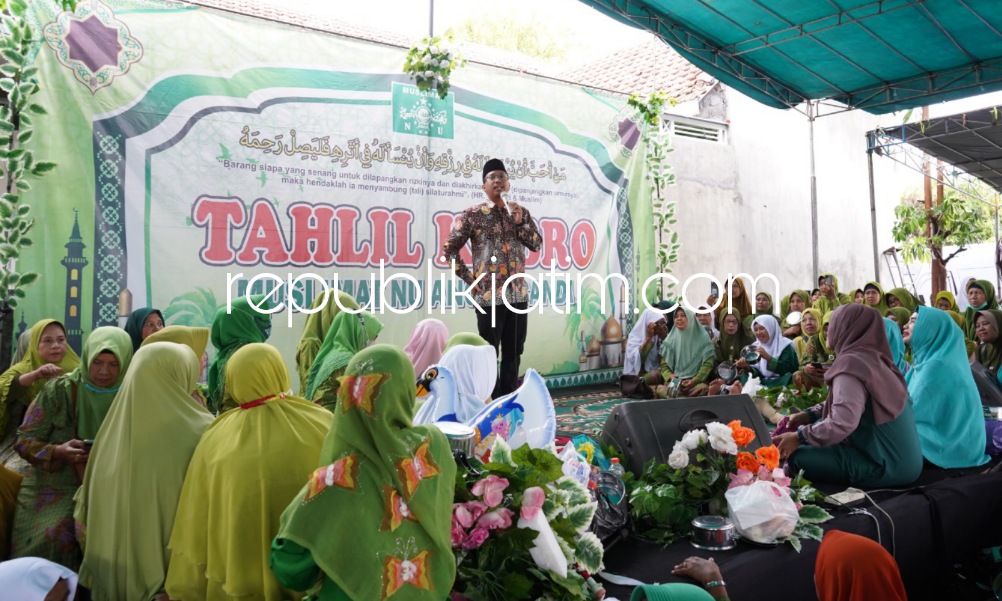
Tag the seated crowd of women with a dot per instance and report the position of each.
(146, 484)
(900, 388)
(152, 485)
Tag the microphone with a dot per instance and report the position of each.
(504, 199)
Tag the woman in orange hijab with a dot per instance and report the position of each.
(850, 567)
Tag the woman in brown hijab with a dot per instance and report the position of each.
(864, 433)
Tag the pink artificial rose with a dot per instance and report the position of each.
(475, 539)
(458, 534)
(532, 502)
(491, 489)
(742, 478)
(467, 514)
(500, 518)
(780, 477)
(764, 473)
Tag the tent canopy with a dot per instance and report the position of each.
(880, 56)
(971, 142)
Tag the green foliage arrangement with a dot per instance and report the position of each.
(19, 83)
(959, 221)
(659, 177)
(430, 64)
(492, 544)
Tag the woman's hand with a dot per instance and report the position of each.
(801, 418)
(764, 354)
(47, 371)
(792, 331)
(787, 444)
(699, 569)
(71, 451)
(687, 384)
(741, 364)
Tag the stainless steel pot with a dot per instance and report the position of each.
(713, 533)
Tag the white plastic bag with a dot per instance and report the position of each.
(575, 466)
(762, 511)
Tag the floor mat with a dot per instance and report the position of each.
(585, 413)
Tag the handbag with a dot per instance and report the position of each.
(635, 387)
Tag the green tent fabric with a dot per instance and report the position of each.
(880, 57)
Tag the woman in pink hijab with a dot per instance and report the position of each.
(426, 344)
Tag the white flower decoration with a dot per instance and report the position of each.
(679, 457)
(693, 438)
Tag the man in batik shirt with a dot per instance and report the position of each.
(499, 233)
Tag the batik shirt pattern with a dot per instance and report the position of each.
(498, 249)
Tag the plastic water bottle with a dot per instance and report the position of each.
(616, 467)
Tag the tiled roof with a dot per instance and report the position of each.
(644, 68)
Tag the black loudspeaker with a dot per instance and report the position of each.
(644, 430)
(988, 388)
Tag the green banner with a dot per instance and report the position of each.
(199, 150)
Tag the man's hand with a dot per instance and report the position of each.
(516, 212)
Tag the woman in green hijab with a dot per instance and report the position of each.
(810, 352)
(349, 334)
(48, 356)
(899, 315)
(397, 482)
(797, 301)
(830, 296)
(243, 324)
(67, 411)
(687, 354)
(946, 301)
(734, 336)
(126, 506)
(142, 323)
(873, 296)
(899, 297)
(315, 331)
(248, 466)
(980, 296)
(988, 324)
(464, 338)
(763, 306)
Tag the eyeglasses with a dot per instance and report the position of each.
(497, 177)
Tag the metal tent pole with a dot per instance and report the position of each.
(873, 217)
(811, 114)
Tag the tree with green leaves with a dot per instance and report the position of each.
(964, 217)
(19, 83)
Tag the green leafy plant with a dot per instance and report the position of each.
(430, 64)
(493, 551)
(791, 399)
(659, 177)
(19, 83)
(958, 221)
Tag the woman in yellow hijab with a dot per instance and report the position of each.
(48, 356)
(126, 506)
(67, 411)
(248, 466)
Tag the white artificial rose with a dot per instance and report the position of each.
(679, 457)
(444, 63)
(693, 438)
(433, 50)
(724, 445)
(429, 74)
(719, 430)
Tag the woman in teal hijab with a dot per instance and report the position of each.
(67, 411)
(246, 322)
(897, 345)
(687, 354)
(142, 323)
(946, 401)
(349, 334)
